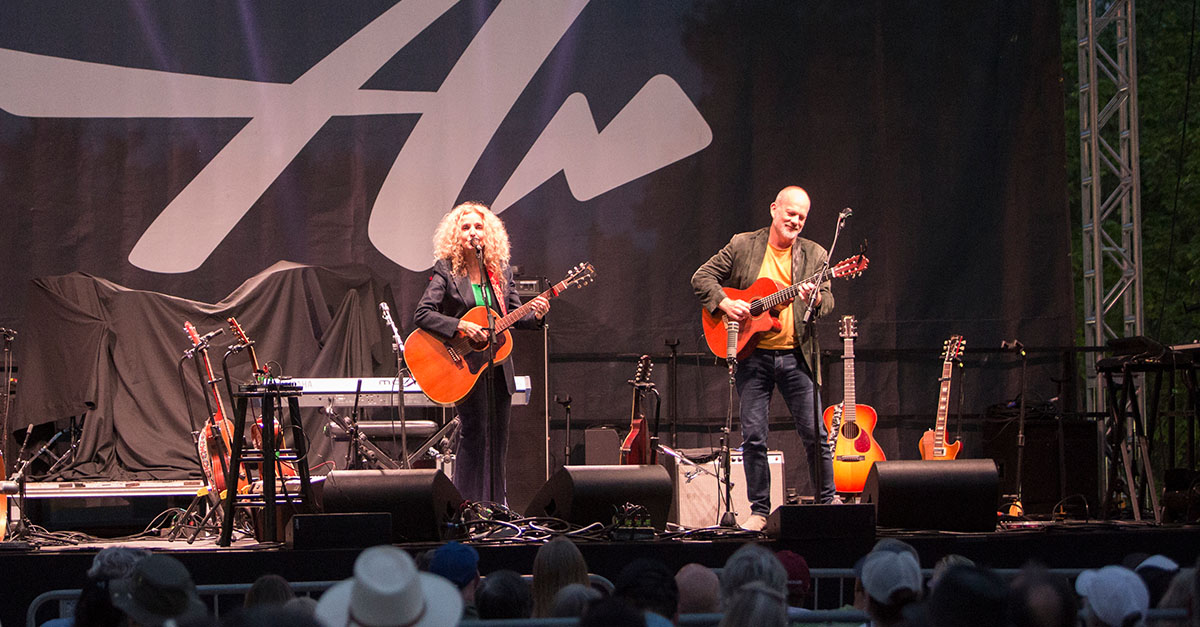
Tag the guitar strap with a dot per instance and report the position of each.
(502, 301)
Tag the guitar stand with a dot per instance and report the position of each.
(272, 395)
(360, 448)
(1133, 441)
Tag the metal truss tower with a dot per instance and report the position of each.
(1111, 184)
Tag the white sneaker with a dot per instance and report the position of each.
(756, 522)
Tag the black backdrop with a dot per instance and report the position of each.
(637, 136)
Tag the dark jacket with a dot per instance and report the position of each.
(737, 265)
(448, 298)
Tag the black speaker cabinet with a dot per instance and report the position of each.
(1046, 480)
(844, 522)
(422, 502)
(339, 531)
(583, 495)
(952, 495)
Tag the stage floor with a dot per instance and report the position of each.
(84, 513)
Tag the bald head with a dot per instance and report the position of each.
(788, 214)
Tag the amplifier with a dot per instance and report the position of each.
(698, 495)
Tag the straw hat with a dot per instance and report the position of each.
(388, 591)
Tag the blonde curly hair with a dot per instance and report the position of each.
(446, 243)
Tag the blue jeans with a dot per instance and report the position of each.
(756, 378)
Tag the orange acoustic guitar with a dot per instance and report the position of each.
(933, 443)
(635, 449)
(446, 369)
(766, 297)
(216, 437)
(850, 425)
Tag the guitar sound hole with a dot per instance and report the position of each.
(850, 430)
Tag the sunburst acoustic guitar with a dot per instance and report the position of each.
(850, 425)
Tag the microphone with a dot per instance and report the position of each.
(731, 339)
(211, 334)
(476, 243)
(386, 313)
(845, 213)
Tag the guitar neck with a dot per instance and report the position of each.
(849, 400)
(782, 296)
(513, 316)
(212, 384)
(939, 428)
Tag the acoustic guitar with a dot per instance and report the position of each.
(766, 297)
(215, 441)
(447, 368)
(933, 442)
(282, 468)
(635, 449)
(851, 425)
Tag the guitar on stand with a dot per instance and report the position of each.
(933, 443)
(850, 425)
(215, 438)
(447, 369)
(635, 449)
(283, 469)
(765, 296)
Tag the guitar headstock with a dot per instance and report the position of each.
(192, 334)
(580, 275)
(644, 367)
(237, 330)
(850, 267)
(848, 327)
(952, 349)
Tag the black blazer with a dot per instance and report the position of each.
(448, 298)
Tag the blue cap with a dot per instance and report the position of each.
(455, 561)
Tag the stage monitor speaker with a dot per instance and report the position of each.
(339, 531)
(952, 495)
(583, 495)
(846, 522)
(422, 502)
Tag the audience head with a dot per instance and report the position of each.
(944, 564)
(1180, 595)
(458, 564)
(751, 563)
(890, 581)
(503, 594)
(699, 590)
(612, 612)
(649, 585)
(159, 588)
(387, 589)
(1112, 596)
(573, 600)
(799, 577)
(968, 596)
(95, 606)
(1156, 572)
(1039, 598)
(756, 604)
(556, 564)
(269, 590)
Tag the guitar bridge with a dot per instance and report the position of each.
(850, 458)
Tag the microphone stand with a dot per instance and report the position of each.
(728, 518)
(398, 348)
(1018, 508)
(566, 403)
(821, 449)
(493, 471)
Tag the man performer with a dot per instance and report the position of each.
(788, 358)
(456, 287)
